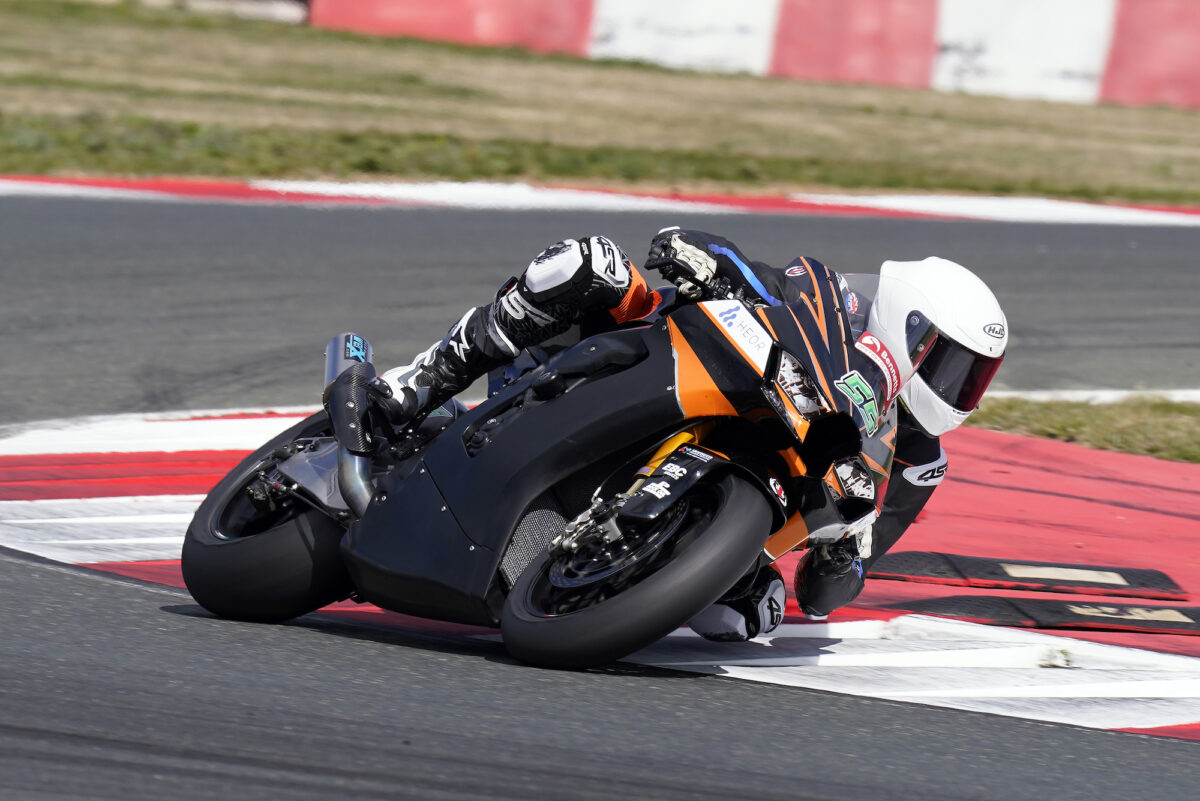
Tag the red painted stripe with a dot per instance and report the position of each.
(562, 26)
(776, 204)
(216, 190)
(1152, 58)
(166, 571)
(103, 475)
(1026, 498)
(231, 191)
(784, 205)
(237, 416)
(880, 42)
(1188, 731)
(772, 204)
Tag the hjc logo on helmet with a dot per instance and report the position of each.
(994, 330)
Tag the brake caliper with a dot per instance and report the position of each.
(600, 520)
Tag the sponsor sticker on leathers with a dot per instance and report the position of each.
(877, 352)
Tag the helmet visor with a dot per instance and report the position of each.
(957, 375)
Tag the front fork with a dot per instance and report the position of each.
(601, 516)
(690, 436)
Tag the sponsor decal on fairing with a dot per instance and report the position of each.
(777, 488)
(742, 329)
(856, 388)
(659, 489)
(795, 271)
(674, 471)
(687, 450)
(852, 302)
(855, 480)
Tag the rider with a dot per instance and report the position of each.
(589, 282)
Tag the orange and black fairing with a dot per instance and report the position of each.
(709, 382)
(697, 390)
(809, 339)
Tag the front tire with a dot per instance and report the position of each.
(726, 529)
(241, 564)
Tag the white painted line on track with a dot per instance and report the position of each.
(80, 531)
(525, 197)
(11, 188)
(201, 430)
(915, 658)
(482, 195)
(1010, 209)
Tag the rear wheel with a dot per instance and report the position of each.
(597, 603)
(264, 562)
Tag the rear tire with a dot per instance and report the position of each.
(290, 568)
(705, 560)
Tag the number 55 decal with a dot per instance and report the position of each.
(854, 387)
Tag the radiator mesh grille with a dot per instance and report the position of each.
(543, 521)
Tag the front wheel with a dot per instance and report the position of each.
(596, 604)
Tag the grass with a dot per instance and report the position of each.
(120, 88)
(1143, 425)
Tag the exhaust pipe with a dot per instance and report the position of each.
(354, 481)
(354, 470)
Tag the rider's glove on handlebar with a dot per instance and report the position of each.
(397, 410)
(681, 262)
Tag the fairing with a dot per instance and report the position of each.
(434, 539)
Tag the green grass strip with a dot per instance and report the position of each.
(1143, 425)
(98, 143)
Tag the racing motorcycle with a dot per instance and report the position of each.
(591, 505)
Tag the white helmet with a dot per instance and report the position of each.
(947, 334)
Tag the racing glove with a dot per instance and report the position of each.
(681, 262)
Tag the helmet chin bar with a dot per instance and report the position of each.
(933, 415)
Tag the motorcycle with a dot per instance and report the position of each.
(591, 505)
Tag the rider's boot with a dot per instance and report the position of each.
(753, 607)
(469, 350)
(563, 280)
(827, 578)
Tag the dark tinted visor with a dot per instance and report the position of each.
(957, 375)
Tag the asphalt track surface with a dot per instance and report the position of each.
(115, 689)
(142, 306)
(125, 691)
